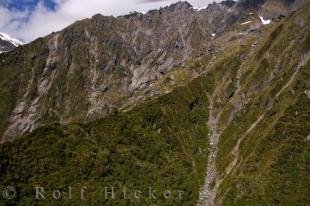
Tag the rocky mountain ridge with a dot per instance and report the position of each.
(103, 64)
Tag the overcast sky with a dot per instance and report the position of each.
(30, 19)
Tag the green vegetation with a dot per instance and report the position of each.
(273, 157)
(275, 162)
(160, 144)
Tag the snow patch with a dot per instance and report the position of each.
(265, 22)
(6, 37)
(213, 35)
(247, 22)
(200, 8)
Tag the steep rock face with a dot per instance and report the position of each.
(279, 8)
(104, 64)
(99, 65)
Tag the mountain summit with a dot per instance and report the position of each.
(8, 43)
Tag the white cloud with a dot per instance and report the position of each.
(11, 21)
(42, 21)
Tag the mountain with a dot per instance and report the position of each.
(210, 102)
(8, 43)
(105, 64)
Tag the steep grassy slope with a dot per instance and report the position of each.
(274, 160)
(263, 152)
